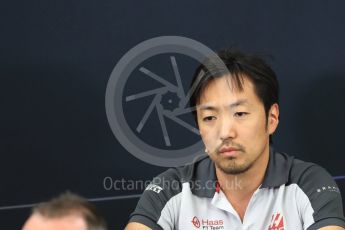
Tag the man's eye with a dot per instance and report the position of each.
(209, 118)
(241, 114)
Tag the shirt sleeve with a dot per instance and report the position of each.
(324, 198)
(159, 204)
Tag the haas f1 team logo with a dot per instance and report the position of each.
(207, 223)
(196, 222)
(277, 222)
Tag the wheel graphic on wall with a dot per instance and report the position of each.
(169, 101)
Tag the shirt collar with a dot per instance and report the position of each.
(204, 179)
(278, 169)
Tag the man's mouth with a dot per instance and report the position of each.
(229, 151)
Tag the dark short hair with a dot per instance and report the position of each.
(69, 204)
(237, 65)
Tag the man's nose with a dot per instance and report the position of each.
(227, 129)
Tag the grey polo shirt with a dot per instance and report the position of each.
(294, 195)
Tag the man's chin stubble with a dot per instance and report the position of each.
(233, 169)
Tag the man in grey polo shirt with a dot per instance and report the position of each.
(242, 182)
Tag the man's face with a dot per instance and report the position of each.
(70, 222)
(233, 125)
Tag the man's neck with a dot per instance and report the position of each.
(243, 185)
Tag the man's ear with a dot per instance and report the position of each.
(273, 118)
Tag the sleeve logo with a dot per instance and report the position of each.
(155, 188)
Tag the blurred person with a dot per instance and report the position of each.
(65, 212)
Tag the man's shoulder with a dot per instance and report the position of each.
(307, 175)
(160, 202)
(302, 172)
(317, 194)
